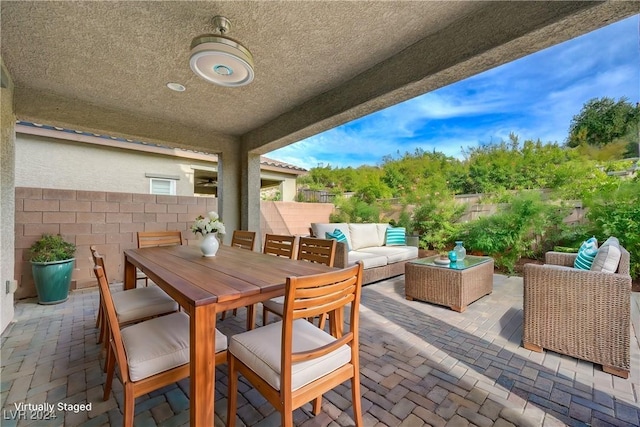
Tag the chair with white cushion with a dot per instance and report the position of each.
(150, 239)
(133, 305)
(244, 240)
(149, 354)
(293, 362)
(310, 249)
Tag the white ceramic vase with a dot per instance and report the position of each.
(209, 244)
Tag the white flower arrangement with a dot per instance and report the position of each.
(209, 224)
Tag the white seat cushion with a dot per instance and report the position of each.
(393, 253)
(260, 349)
(140, 303)
(276, 305)
(368, 260)
(160, 344)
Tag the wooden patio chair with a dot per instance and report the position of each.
(322, 251)
(133, 305)
(293, 362)
(243, 240)
(279, 245)
(149, 239)
(149, 354)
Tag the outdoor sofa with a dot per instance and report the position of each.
(370, 243)
(580, 313)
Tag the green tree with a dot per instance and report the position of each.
(604, 121)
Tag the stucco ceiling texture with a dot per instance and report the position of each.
(103, 66)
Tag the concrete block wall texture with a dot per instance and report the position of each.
(108, 220)
(111, 220)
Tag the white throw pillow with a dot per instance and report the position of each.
(608, 256)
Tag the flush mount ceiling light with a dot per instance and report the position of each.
(220, 59)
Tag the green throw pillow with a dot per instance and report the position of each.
(396, 236)
(339, 236)
(586, 254)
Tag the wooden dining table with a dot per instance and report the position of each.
(204, 286)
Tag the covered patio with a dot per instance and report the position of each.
(103, 67)
(421, 364)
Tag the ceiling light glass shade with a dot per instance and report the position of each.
(221, 60)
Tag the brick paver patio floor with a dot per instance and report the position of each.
(421, 365)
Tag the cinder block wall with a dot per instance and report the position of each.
(108, 220)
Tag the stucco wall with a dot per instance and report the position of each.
(105, 219)
(53, 163)
(7, 197)
(292, 218)
(66, 160)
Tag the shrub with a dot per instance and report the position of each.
(526, 227)
(617, 213)
(355, 210)
(435, 222)
(50, 248)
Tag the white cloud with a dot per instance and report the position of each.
(534, 97)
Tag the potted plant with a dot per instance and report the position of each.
(52, 265)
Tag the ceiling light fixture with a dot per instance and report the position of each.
(220, 59)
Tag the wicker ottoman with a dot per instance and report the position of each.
(455, 286)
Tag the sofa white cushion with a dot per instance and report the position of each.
(160, 344)
(363, 235)
(382, 233)
(608, 256)
(260, 349)
(369, 260)
(319, 229)
(140, 303)
(393, 253)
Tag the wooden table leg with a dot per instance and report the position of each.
(129, 274)
(251, 317)
(202, 359)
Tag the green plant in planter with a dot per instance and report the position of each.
(52, 261)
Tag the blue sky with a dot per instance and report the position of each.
(535, 97)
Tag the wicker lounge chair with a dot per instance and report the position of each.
(580, 313)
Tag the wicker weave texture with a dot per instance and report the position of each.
(580, 313)
(369, 275)
(445, 286)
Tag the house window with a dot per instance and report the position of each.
(162, 186)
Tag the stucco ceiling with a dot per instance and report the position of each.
(103, 66)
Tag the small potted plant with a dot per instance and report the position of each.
(442, 258)
(52, 261)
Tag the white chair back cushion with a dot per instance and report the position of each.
(260, 349)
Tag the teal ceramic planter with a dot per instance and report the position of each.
(52, 280)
